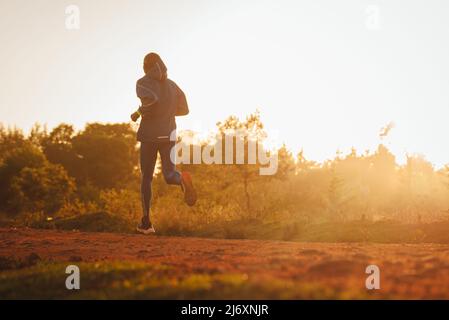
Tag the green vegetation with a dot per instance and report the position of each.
(89, 180)
(135, 280)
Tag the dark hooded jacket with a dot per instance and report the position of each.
(162, 100)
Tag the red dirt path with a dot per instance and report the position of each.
(407, 270)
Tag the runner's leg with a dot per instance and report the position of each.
(174, 177)
(171, 176)
(148, 156)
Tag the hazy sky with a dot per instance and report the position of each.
(325, 74)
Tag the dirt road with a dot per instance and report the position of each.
(286, 269)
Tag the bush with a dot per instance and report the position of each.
(122, 203)
(45, 188)
(96, 222)
(77, 207)
(13, 161)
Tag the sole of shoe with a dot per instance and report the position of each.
(189, 191)
(146, 231)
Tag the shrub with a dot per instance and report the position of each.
(45, 188)
(96, 222)
(123, 203)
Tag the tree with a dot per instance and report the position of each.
(445, 173)
(251, 130)
(58, 149)
(10, 139)
(100, 156)
(44, 188)
(107, 155)
(29, 182)
(38, 134)
(286, 163)
(14, 160)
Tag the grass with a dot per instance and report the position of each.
(90, 222)
(351, 231)
(96, 222)
(337, 231)
(135, 280)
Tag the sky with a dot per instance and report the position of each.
(326, 75)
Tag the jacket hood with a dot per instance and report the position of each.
(158, 71)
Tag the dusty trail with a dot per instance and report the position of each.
(407, 270)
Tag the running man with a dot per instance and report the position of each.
(161, 100)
